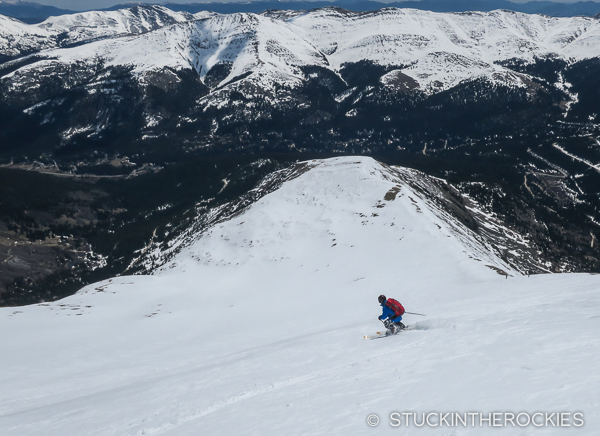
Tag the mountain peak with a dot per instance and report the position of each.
(345, 207)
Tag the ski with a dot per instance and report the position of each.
(378, 335)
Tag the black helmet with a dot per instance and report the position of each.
(382, 299)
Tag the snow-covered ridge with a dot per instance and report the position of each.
(439, 50)
(402, 36)
(268, 49)
(17, 37)
(347, 197)
(87, 26)
(435, 50)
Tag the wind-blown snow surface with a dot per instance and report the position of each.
(256, 328)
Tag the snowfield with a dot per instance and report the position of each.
(256, 327)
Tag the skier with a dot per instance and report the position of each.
(392, 315)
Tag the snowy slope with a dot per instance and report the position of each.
(249, 43)
(255, 327)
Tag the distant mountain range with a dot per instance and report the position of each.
(555, 9)
(31, 12)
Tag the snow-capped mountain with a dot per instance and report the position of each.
(270, 57)
(88, 26)
(258, 321)
(29, 12)
(443, 49)
(18, 38)
(401, 36)
(432, 52)
(436, 50)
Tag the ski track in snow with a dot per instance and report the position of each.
(272, 345)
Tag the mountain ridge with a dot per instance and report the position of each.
(30, 12)
(471, 48)
(483, 235)
(82, 28)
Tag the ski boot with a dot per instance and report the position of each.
(391, 328)
(399, 325)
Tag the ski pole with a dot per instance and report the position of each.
(412, 313)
